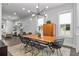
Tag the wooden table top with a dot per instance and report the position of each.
(42, 38)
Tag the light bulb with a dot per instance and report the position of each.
(33, 15)
(28, 11)
(23, 8)
(47, 7)
(45, 14)
(37, 6)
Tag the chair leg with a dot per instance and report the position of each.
(26, 49)
(52, 50)
(22, 45)
(60, 52)
(57, 51)
(37, 53)
(42, 52)
(26, 46)
(47, 52)
(32, 51)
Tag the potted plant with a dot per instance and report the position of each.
(39, 35)
(48, 22)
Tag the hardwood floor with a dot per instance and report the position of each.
(12, 41)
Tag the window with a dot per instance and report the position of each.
(65, 24)
(40, 24)
(40, 21)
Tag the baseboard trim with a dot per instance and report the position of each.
(68, 46)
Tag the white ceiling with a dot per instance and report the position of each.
(8, 9)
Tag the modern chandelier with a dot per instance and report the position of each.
(38, 11)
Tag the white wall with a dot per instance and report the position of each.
(77, 28)
(29, 25)
(9, 26)
(0, 20)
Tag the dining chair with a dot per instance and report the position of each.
(57, 45)
(33, 45)
(24, 33)
(28, 43)
(25, 43)
(22, 41)
(41, 47)
(38, 45)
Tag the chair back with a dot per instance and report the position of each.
(22, 39)
(24, 33)
(59, 42)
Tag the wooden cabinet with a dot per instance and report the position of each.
(49, 29)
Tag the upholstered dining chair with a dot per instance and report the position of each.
(22, 40)
(25, 42)
(28, 44)
(57, 45)
(33, 45)
(41, 47)
(38, 45)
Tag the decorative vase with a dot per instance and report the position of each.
(39, 35)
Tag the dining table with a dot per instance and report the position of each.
(42, 39)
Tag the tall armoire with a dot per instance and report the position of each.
(49, 29)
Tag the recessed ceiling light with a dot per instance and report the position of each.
(45, 14)
(28, 11)
(36, 6)
(23, 8)
(33, 15)
(47, 7)
(14, 13)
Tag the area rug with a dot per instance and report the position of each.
(18, 50)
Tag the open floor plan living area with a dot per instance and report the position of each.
(39, 29)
